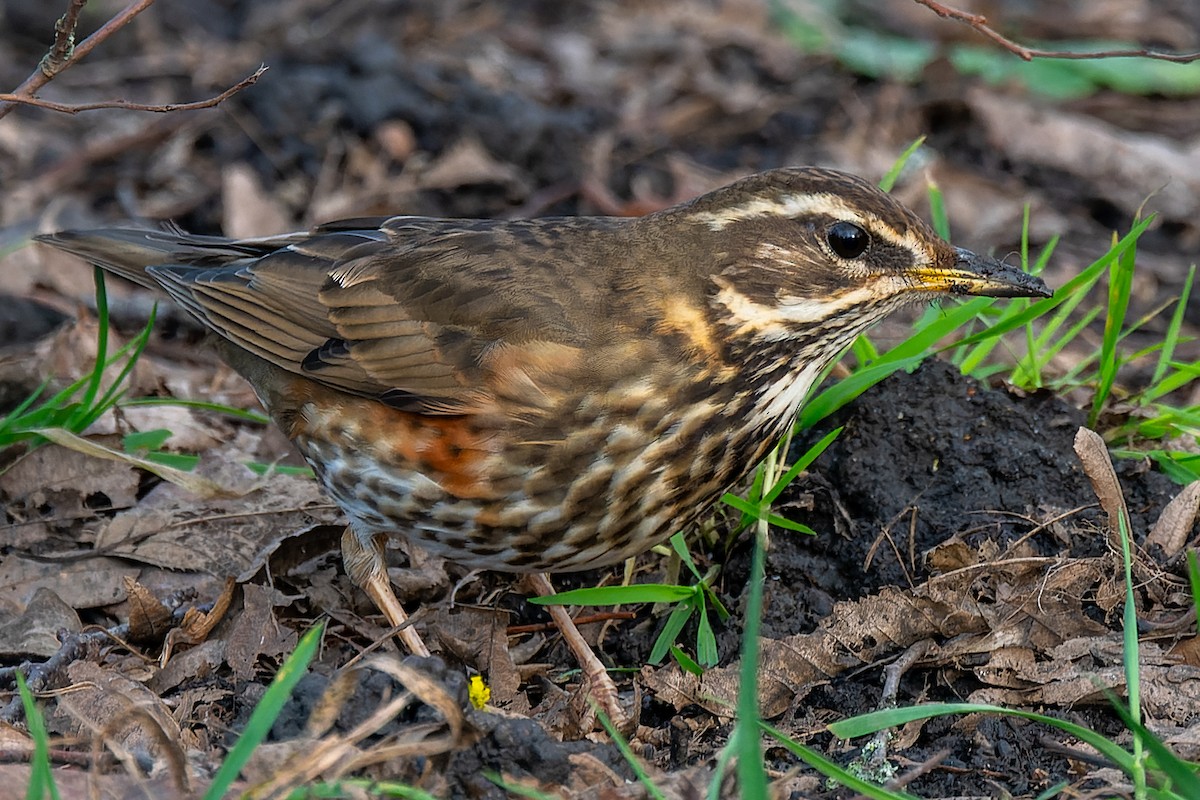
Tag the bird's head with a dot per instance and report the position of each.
(795, 263)
(807, 252)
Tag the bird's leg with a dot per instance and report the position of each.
(366, 567)
(597, 682)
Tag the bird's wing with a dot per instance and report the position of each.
(429, 316)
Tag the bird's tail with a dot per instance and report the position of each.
(128, 251)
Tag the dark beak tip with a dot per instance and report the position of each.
(1008, 281)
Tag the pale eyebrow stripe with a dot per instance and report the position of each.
(797, 205)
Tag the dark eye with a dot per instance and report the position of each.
(847, 239)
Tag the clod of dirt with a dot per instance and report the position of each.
(921, 458)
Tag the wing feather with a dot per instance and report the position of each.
(438, 316)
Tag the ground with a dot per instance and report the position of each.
(957, 532)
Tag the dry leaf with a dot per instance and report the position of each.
(90, 583)
(255, 631)
(465, 163)
(1097, 465)
(232, 533)
(1170, 533)
(195, 484)
(131, 720)
(68, 481)
(149, 619)
(34, 632)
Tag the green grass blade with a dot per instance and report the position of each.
(518, 789)
(888, 181)
(937, 210)
(850, 387)
(200, 405)
(679, 545)
(905, 355)
(714, 602)
(617, 595)
(627, 753)
(747, 738)
(834, 772)
(265, 713)
(685, 661)
(1120, 286)
(1184, 374)
(1194, 581)
(1130, 656)
(670, 632)
(706, 641)
(866, 724)
(41, 778)
(802, 463)
(97, 374)
(1171, 339)
(361, 787)
(1085, 278)
(755, 511)
(1035, 376)
(863, 350)
(1041, 354)
(131, 352)
(1184, 782)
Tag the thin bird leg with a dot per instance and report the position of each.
(597, 681)
(367, 569)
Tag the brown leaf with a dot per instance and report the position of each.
(34, 631)
(131, 720)
(192, 664)
(169, 522)
(149, 619)
(1170, 533)
(476, 636)
(88, 583)
(255, 631)
(466, 163)
(67, 481)
(1097, 465)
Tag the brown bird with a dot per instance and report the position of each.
(550, 395)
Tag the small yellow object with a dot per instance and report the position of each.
(478, 692)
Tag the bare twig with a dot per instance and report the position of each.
(75, 108)
(77, 646)
(51, 65)
(65, 53)
(980, 24)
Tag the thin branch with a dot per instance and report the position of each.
(62, 55)
(75, 108)
(980, 24)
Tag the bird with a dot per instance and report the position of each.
(553, 394)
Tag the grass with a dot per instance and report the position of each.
(41, 777)
(81, 403)
(825, 27)
(689, 601)
(77, 406)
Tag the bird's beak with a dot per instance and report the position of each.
(972, 274)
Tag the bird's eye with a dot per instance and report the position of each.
(847, 239)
